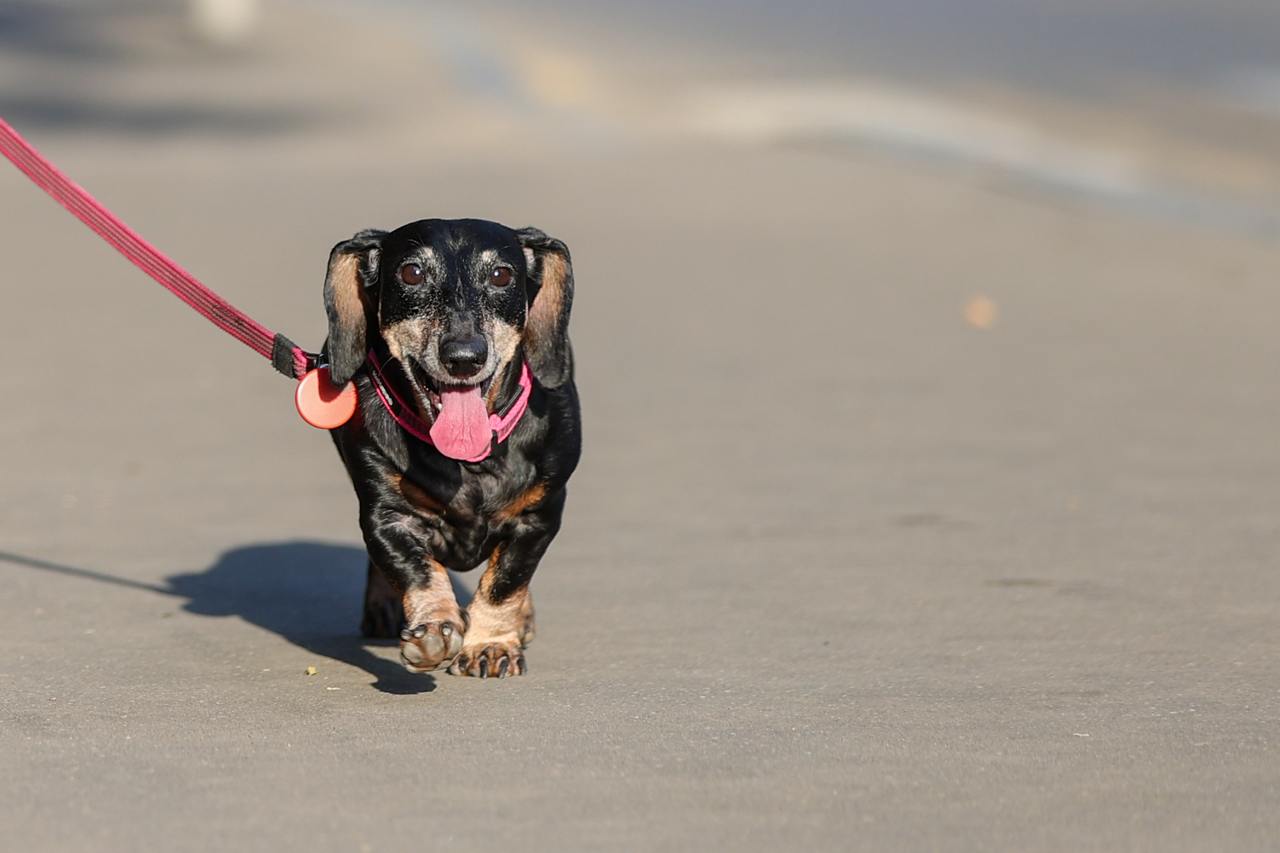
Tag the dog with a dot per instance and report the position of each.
(467, 429)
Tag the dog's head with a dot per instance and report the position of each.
(454, 301)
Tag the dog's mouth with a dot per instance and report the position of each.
(430, 393)
(457, 413)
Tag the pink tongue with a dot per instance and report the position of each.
(461, 430)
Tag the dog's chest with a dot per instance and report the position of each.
(469, 519)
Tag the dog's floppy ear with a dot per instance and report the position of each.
(550, 284)
(349, 301)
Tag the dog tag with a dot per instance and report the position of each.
(323, 404)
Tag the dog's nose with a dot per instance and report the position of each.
(462, 357)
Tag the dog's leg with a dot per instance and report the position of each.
(383, 612)
(528, 625)
(398, 543)
(500, 617)
(433, 629)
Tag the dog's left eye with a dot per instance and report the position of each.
(500, 277)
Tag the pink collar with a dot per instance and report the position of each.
(404, 415)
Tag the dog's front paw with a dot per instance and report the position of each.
(426, 646)
(495, 657)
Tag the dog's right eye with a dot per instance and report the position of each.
(411, 274)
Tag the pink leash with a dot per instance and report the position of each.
(285, 356)
(320, 403)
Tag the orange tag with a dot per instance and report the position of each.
(323, 404)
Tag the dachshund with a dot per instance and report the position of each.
(455, 333)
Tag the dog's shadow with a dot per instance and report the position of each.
(309, 593)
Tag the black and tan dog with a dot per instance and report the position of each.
(440, 317)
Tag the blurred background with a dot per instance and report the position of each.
(928, 356)
(1165, 106)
